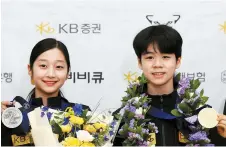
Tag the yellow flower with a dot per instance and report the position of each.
(66, 128)
(90, 128)
(88, 144)
(71, 141)
(70, 110)
(100, 126)
(76, 120)
(66, 114)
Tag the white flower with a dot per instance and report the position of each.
(83, 135)
(139, 111)
(136, 99)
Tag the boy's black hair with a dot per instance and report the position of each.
(165, 38)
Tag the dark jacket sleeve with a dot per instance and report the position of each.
(6, 136)
(216, 139)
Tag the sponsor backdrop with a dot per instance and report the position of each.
(99, 37)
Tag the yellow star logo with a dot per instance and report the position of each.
(129, 76)
(44, 27)
(223, 27)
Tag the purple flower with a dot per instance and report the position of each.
(66, 121)
(156, 131)
(143, 95)
(106, 138)
(145, 105)
(139, 137)
(45, 108)
(135, 136)
(201, 135)
(181, 90)
(185, 82)
(49, 115)
(111, 133)
(130, 85)
(130, 108)
(152, 124)
(131, 123)
(131, 135)
(183, 85)
(113, 123)
(77, 109)
(142, 143)
(145, 131)
(192, 119)
(42, 114)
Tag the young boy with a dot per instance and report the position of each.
(158, 50)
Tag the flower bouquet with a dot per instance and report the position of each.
(73, 127)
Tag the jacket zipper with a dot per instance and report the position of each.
(163, 129)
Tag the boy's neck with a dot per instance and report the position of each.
(160, 90)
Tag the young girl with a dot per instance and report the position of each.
(48, 69)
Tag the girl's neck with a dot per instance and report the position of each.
(44, 96)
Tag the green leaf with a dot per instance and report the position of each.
(202, 92)
(130, 91)
(130, 115)
(84, 113)
(134, 88)
(185, 108)
(187, 94)
(196, 83)
(117, 116)
(194, 95)
(141, 121)
(178, 76)
(175, 112)
(60, 113)
(204, 99)
(56, 128)
(196, 104)
(56, 117)
(142, 79)
(139, 130)
(125, 99)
